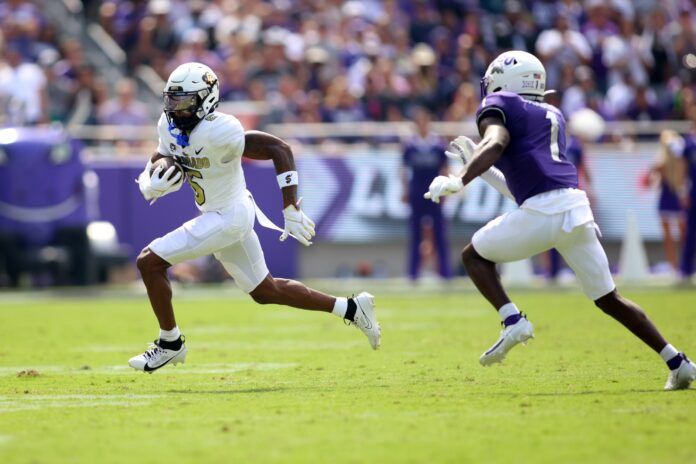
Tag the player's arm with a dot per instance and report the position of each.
(263, 146)
(478, 160)
(495, 138)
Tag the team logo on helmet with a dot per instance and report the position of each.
(208, 78)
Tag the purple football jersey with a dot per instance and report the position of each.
(535, 160)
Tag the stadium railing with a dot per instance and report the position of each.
(102, 137)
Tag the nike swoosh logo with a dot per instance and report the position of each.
(199, 150)
(147, 368)
(367, 319)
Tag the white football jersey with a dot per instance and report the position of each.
(212, 160)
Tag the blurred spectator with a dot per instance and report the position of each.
(424, 159)
(627, 53)
(21, 23)
(644, 106)
(194, 47)
(561, 46)
(156, 37)
(670, 174)
(124, 109)
(392, 53)
(689, 201)
(583, 93)
(464, 104)
(23, 93)
(684, 33)
(90, 93)
(597, 29)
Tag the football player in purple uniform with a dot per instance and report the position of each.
(523, 155)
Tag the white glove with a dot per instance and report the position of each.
(297, 225)
(461, 148)
(442, 186)
(153, 187)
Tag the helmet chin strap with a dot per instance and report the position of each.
(182, 139)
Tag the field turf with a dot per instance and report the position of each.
(269, 384)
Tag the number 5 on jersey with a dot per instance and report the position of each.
(197, 189)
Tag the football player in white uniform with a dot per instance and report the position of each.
(209, 145)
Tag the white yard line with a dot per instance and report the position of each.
(123, 369)
(37, 402)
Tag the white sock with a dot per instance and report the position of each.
(508, 310)
(340, 307)
(668, 352)
(170, 335)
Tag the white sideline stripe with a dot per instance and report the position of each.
(286, 345)
(218, 368)
(34, 402)
(246, 329)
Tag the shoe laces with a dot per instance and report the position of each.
(153, 352)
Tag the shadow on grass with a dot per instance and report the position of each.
(577, 393)
(228, 392)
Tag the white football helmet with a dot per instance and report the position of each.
(515, 71)
(192, 92)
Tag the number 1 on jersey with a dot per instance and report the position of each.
(555, 152)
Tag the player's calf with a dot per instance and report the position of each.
(358, 310)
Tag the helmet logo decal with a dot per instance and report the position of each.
(510, 60)
(208, 78)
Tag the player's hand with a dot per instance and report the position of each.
(442, 186)
(462, 148)
(297, 225)
(154, 186)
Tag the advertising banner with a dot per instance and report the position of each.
(358, 198)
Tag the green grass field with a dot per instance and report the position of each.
(269, 384)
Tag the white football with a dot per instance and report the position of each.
(586, 124)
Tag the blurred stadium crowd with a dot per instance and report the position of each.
(360, 60)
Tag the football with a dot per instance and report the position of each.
(586, 124)
(166, 163)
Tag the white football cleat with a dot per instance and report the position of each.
(519, 332)
(366, 320)
(681, 377)
(158, 356)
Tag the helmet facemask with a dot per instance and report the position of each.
(184, 109)
(190, 95)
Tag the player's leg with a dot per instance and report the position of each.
(668, 241)
(414, 244)
(289, 292)
(441, 245)
(516, 235)
(245, 262)
(554, 264)
(585, 255)
(485, 276)
(153, 271)
(689, 247)
(198, 237)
